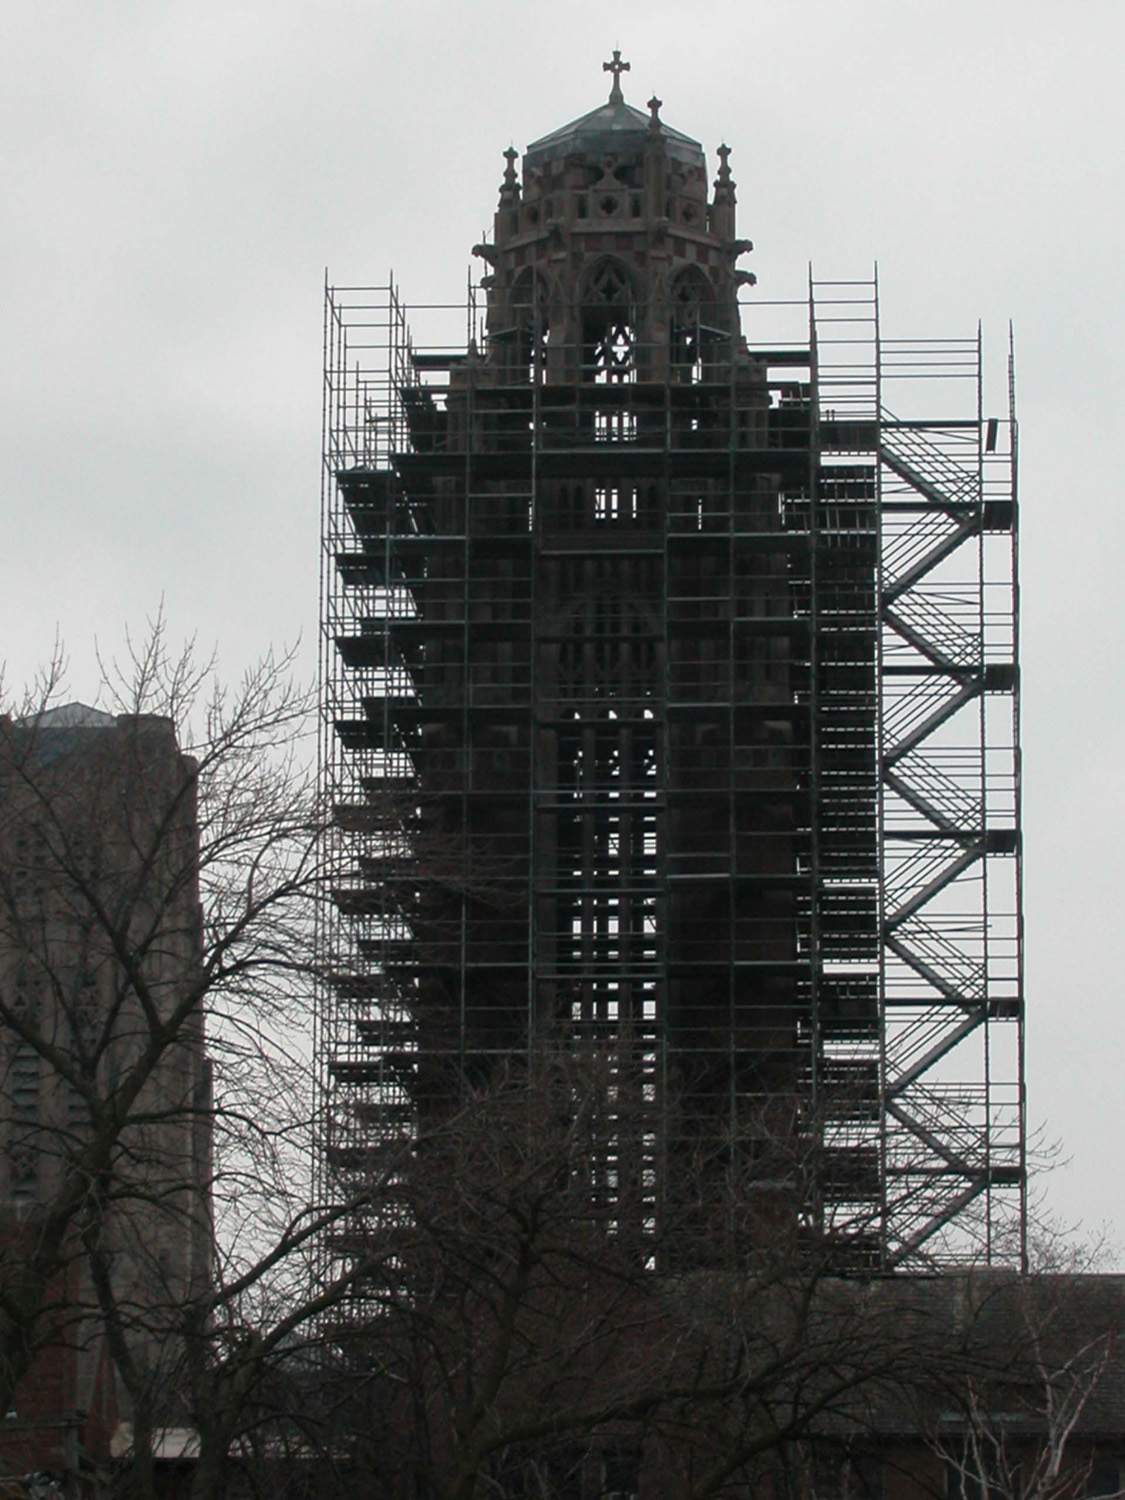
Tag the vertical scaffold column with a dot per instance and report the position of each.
(364, 1112)
(844, 1023)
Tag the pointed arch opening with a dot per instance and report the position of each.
(692, 298)
(609, 324)
(531, 313)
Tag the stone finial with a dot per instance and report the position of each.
(654, 111)
(720, 216)
(616, 67)
(725, 185)
(510, 187)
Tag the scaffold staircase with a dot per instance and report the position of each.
(952, 1131)
(952, 1089)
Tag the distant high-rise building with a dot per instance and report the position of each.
(670, 707)
(99, 945)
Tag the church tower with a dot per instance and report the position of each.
(603, 697)
(610, 263)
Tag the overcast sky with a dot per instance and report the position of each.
(177, 177)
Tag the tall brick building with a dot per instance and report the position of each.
(99, 943)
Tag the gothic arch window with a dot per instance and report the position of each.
(609, 333)
(529, 303)
(692, 296)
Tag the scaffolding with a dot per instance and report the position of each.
(680, 716)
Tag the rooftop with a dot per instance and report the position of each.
(613, 127)
(73, 716)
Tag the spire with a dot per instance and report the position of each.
(654, 109)
(724, 182)
(616, 67)
(509, 187)
(721, 217)
(724, 178)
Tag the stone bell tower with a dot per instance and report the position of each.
(607, 624)
(651, 731)
(609, 261)
(671, 719)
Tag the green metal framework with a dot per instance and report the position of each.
(679, 719)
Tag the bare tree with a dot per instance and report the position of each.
(534, 1330)
(1024, 1423)
(157, 874)
(514, 1313)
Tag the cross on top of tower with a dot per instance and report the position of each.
(616, 67)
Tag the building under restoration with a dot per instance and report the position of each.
(670, 705)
